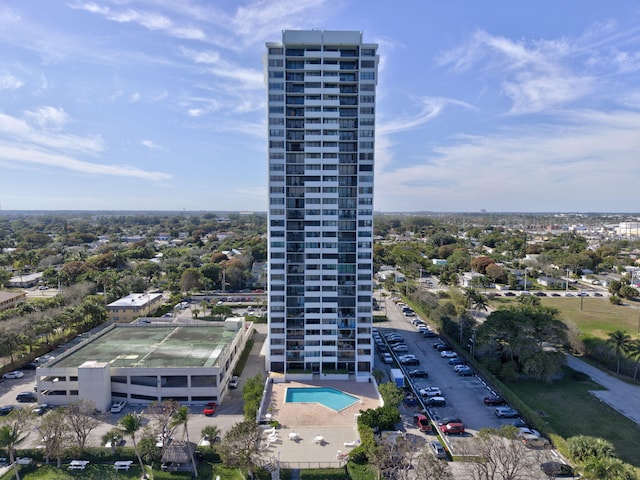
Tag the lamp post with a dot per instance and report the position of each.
(566, 283)
(525, 278)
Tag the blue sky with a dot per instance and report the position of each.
(160, 104)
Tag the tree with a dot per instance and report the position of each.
(502, 456)
(15, 430)
(391, 394)
(56, 435)
(618, 341)
(190, 279)
(239, 446)
(480, 264)
(81, 420)
(582, 447)
(628, 292)
(212, 432)
(112, 437)
(607, 468)
(161, 415)
(130, 424)
(633, 351)
(427, 467)
(180, 418)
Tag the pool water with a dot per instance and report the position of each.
(329, 397)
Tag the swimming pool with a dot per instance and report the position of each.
(329, 397)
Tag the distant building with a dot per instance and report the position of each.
(10, 299)
(552, 282)
(25, 281)
(440, 262)
(133, 306)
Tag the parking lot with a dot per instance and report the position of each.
(463, 394)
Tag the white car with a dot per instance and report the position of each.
(13, 375)
(430, 392)
(448, 354)
(400, 348)
(233, 383)
(118, 406)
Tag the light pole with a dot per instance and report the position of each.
(525, 278)
(566, 283)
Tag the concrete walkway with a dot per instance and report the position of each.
(621, 396)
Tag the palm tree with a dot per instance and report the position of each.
(181, 417)
(618, 341)
(14, 432)
(130, 424)
(633, 351)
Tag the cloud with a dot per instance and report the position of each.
(49, 120)
(535, 75)
(586, 158)
(432, 107)
(134, 97)
(9, 82)
(33, 156)
(151, 145)
(149, 20)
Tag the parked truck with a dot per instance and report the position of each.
(397, 377)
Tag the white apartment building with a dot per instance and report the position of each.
(321, 88)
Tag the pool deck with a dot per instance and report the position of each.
(309, 420)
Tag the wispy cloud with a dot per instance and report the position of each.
(151, 145)
(535, 75)
(55, 160)
(432, 107)
(592, 156)
(49, 120)
(9, 82)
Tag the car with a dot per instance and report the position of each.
(452, 428)
(430, 392)
(233, 383)
(448, 354)
(437, 343)
(583, 294)
(41, 409)
(429, 334)
(506, 412)
(409, 400)
(509, 294)
(409, 313)
(493, 400)
(391, 335)
(163, 439)
(533, 441)
(29, 366)
(437, 449)
(466, 371)
(413, 362)
(597, 294)
(210, 408)
(556, 469)
(445, 420)
(419, 374)
(568, 294)
(6, 410)
(44, 358)
(456, 361)
(556, 295)
(13, 375)
(397, 339)
(443, 347)
(528, 431)
(460, 366)
(540, 294)
(422, 422)
(400, 348)
(118, 406)
(387, 358)
(517, 422)
(27, 397)
(207, 441)
(436, 401)
(406, 356)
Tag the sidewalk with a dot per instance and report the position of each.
(621, 396)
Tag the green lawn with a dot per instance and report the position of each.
(51, 472)
(571, 410)
(598, 317)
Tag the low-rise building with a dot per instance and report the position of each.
(11, 299)
(25, 281)
(135, 305)
(146, 362)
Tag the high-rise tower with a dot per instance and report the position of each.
(321, 88)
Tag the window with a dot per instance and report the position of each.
(276, 133)
(276, 86)
(367, 76)
(367, 87)
(367, 64)
(273, 97)
(275, 51)
(275, 62)
(367, 99)
(276, 74)
(368, 52)
(366, 133)
(276, 121)
(367, 110)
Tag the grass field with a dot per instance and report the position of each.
(571, 410)
(598, 317)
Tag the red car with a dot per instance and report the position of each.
(422, 422)
(452, 427)
(493, 400)
(210, 408)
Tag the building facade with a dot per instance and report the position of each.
(127, 309)
(321, 88)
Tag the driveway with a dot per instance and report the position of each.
(621, 396)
